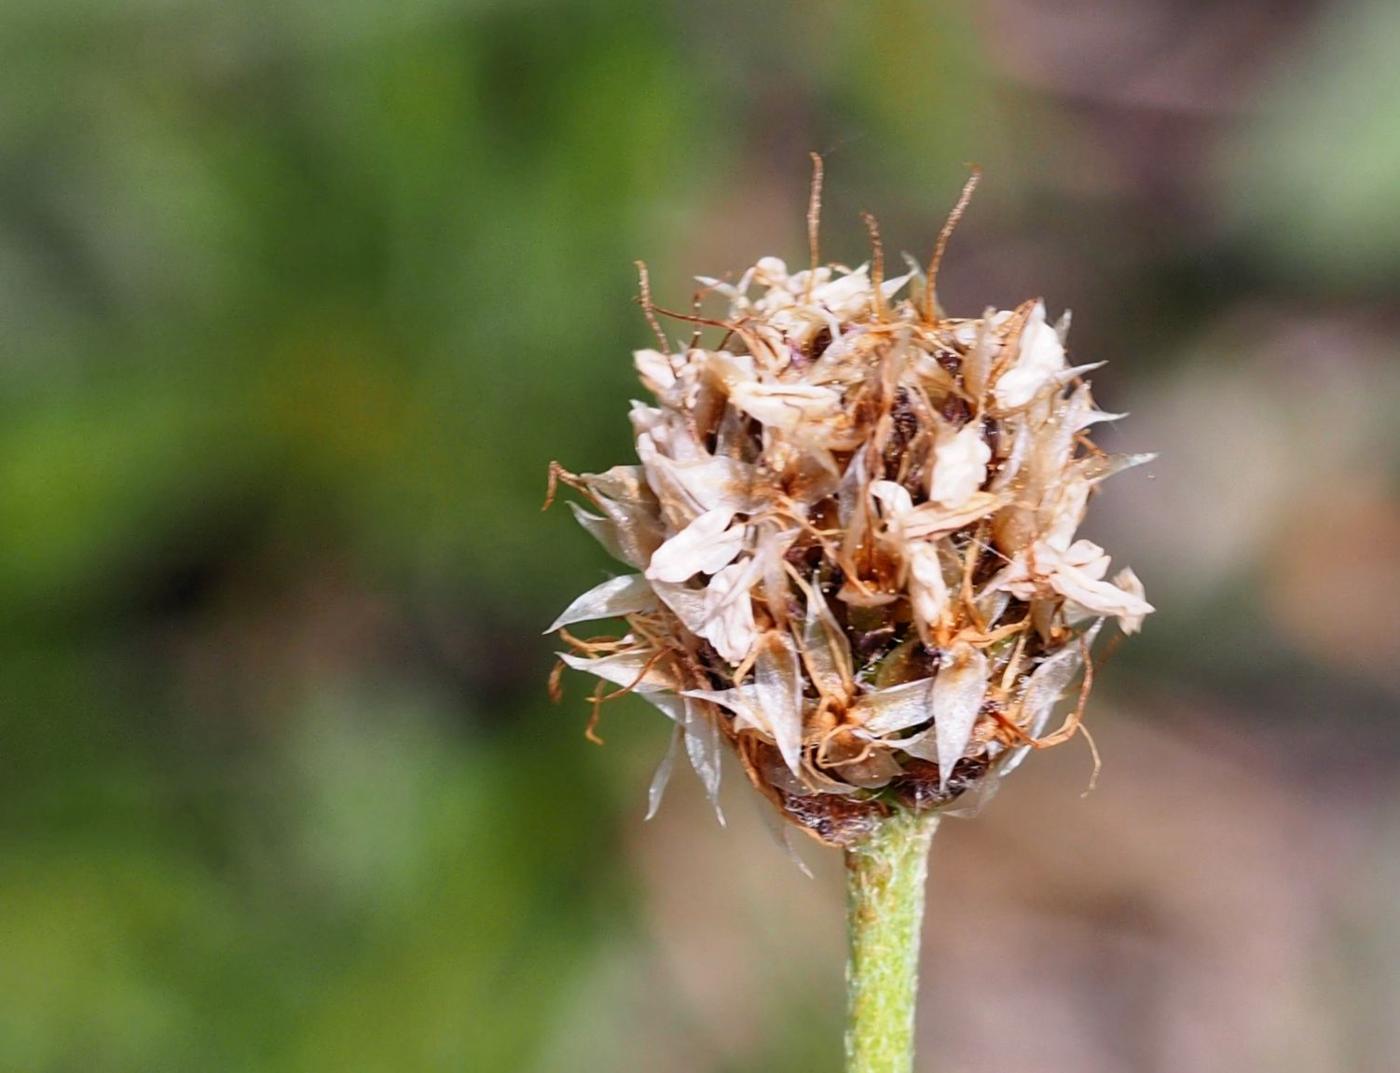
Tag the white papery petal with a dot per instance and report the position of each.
(702, 739)
(698, 484)
(1100, 468)
(958, 689)
(1128, 582)
(985, 345)
(702, 745)
(1075, 573)
(928, 592)
(704, 546)
(1076, 576)
(894, 499)
(770, 271)
(1087, 557)
(825, 650)
(716, 483)
(645, 418)
(786, 406)
(1044, 689)
(884, 711)
(687, 603)
(850, 494)
(770, 560)
(742, 702)
(631, 530)
(614, 597)
(991, 605)
(657, 789)
(729, 290)
(730, 370)
(1094, 417)
(1046, 686)
(623, 669)
(1015, 577)
(967, 332)
(1070, 504)
(728, 611)
(1022, 442)
(625, 484)
(847, 295)
(959, 465)
(721, 612)
(1064, 376)
(671, 436)
(778, 690)
(602, 530)
(891, 287)
(1100, 597)
(930, 519)
(655, 370)
(1042, 356)
(672, 705)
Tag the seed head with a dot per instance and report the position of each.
(853, 524)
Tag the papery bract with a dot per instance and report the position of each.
(855, 525)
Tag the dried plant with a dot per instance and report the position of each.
(854, 522)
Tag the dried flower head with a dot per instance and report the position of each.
(853, 520)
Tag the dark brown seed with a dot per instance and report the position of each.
(924, 660)
(991, 432)
(918, 788)
(837, 821)
(906, 423)
(872, 642)
(956, 410)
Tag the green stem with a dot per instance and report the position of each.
(884, 913)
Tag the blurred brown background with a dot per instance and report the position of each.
(297, 301)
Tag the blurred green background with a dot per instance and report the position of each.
(297, 301)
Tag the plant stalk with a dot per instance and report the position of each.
(884, 915)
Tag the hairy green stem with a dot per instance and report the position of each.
(884, 913)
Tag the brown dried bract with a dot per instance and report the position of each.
(852, 521)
